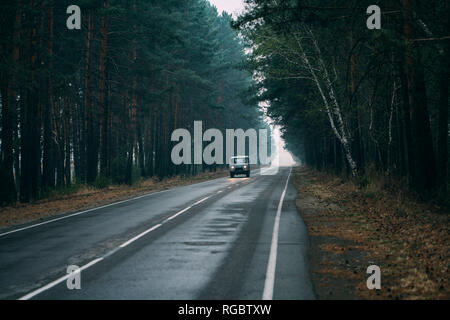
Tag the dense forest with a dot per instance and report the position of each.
(355, 100)
(98, 105)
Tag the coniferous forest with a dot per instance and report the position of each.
(141, 152)
(353, 99)
(97, 105)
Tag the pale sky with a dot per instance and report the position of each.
(285, 157)
(231, 6)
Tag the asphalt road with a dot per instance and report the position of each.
(238, 238)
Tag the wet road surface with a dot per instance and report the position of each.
(238, 238)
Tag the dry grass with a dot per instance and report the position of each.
(341, 249)
(88, 197)
(409, 240)
(339, 273)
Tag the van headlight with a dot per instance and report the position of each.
(232, 167)
(245, 167)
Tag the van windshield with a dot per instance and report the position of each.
(239, 160)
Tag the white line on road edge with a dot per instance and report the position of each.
(97, 208)
(271, 266)
(123, 245)
(81, 212)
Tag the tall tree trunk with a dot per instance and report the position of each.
(149, 142)
(407, 122)
(102, 101)
(424, 179)
(132, 142)
(443, 119)
(67, 151)
(91, 136)
(58, 120)
(140, 148)
(48, 172)
(9, 96)
(14, 91)
(30, 137)
(8, 188)
(357, 142)
(333, 109)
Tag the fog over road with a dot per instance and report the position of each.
(219, 239)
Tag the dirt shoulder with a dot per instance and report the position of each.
(88, 197)
(351, 229)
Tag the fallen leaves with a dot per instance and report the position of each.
(410, 241)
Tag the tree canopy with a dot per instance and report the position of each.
(350, 98)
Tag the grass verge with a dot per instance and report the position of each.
(352, 227)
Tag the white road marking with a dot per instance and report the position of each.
(97, 208)
(271, 266)
(57, 281)
(178, 213)
(123, 245)
(81, 212)
(200, 201)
